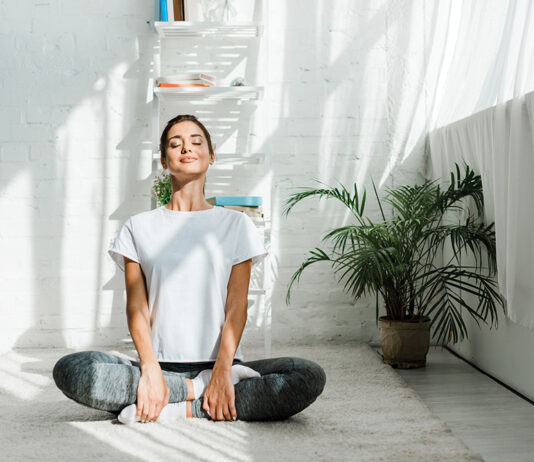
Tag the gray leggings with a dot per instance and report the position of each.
(102, 381)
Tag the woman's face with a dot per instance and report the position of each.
(187, 150)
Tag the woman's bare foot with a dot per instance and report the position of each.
(238, 373)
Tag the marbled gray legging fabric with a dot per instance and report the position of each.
(102, 381)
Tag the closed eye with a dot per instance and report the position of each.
(178, 145)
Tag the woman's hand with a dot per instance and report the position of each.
(152, 392)
(219, 396)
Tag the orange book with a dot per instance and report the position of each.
(183, 85)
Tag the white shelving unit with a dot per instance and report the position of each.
(180, 29)
(243, 93)
(176, 31)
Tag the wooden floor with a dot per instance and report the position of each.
(489, 418)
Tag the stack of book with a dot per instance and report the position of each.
(251, 205)
(186, 80)
(170, 10)
(187, 10)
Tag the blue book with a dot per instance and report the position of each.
(247, 201)
(163, 10)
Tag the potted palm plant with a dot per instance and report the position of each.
(395, 259)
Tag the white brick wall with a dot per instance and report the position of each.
(338, 112)
(341, 87)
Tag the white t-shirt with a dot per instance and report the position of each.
(187, 258)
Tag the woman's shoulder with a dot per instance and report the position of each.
(237, 216)
(230, 212)
(219, 215)
(153, 213)
(144, 216)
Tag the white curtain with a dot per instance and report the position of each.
(479, 54)
(499, 144)
(480, 80)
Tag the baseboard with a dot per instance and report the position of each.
(490, 376)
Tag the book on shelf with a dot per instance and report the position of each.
(178, 10)
(163, 10)
(198, 79)
(171, 10)
(251, 205)
(196, 84)
(193, 10)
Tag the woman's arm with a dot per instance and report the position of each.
(137, 312)
(152, 390)
(219, 397)
(235, 313)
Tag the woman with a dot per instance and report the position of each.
(187, 271)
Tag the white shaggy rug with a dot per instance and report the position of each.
(365, 413)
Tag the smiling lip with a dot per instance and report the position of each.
(188, 159)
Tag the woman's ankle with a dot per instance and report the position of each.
(188, 409)
(190, 390)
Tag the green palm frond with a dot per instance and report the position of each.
(414, 201)
(478, 238)
(320, 255)
(368, 268)
(468, 186)
(340, 236)
(352, 202)
(447, 281)
(378, 200)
